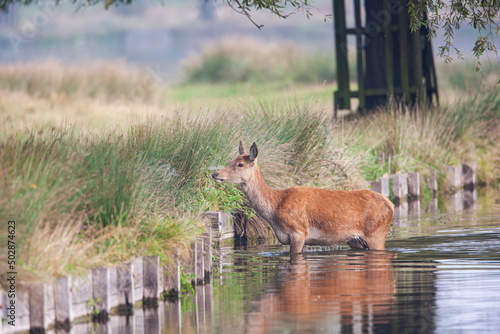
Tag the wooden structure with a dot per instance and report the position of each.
(391, 62)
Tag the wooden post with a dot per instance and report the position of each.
(207, 254)
(381, 186)
(101, 287)
(417, 67)
(81, 293)
(190, 266)
(453, 178)
(63, 303)
(41, 306)
(388, 54)
(413, 185)
(137, 266)
(199, 262)
(359, 55)
(469, 176)
(21, 316)
(151, 277)
(172, 279)
(113, 287)
(432, 183)
(342, 96)
(125, 287)
(400, 187)
(221, 223)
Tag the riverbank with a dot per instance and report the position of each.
(99, 166)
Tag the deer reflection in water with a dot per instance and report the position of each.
(348, 289)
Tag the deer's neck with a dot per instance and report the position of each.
(261, 196)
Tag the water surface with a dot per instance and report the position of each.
(440, 273)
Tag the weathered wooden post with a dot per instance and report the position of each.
(137, 266)
(151, 277)
(63, 300)
(432, 183)
(81, 293)
(125, 287)
(22, 316)
(101, 288)
(207, 254)
(413, 185)
(190, 267)
(41, 306)
(390, 59)
(199, 262)
(399, 187)
(381, 186)
(469, 176)
(172, 278)
(222, 224)
(454, 178)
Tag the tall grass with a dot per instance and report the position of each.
(95, 79)
(424, 139)
(242, 59)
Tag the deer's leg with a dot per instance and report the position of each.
(296, 243)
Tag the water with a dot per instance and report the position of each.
(439, 274)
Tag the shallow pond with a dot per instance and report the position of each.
(439, 274)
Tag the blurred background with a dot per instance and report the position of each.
(167, 36)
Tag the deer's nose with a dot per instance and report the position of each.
(214, 175)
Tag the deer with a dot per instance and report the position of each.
(302, 216)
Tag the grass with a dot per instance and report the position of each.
(101, 176)
(245, 59)
(426, 139)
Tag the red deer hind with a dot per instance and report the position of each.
(303, 216)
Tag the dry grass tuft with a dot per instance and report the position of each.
(240, 58)
(50, 78)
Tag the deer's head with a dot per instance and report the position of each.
(241, 169)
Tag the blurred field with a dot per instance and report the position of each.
(107, 163)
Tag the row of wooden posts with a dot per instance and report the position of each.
(40, 305)
(408, 186)
(93, 295)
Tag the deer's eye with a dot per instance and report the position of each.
(240, 165)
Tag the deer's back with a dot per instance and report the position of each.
(334, 210)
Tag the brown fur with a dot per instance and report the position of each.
(303, 216)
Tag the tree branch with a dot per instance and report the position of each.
(243, 11)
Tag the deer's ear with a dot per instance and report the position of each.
(241, 148)
(253, 152)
